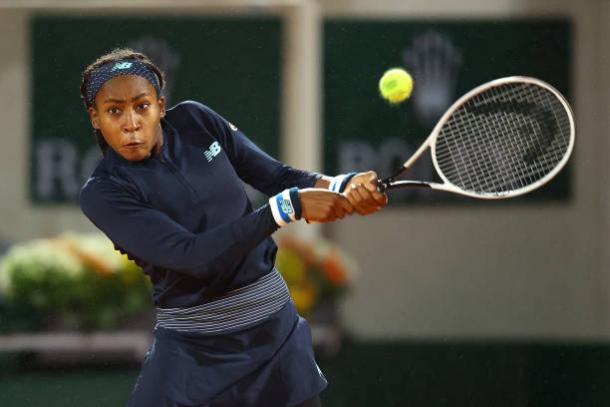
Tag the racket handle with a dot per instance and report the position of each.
(383, 184)
(389, 183)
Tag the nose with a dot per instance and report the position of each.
(131, 123)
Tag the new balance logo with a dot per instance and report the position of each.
(212, 151)
(122, 65)
(287, 207)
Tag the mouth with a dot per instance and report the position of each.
(134, 145)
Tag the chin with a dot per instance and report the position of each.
(135, 155)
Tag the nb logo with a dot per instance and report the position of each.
(287, 207)
(122, 65)
(212, 151)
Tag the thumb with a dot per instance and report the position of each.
(371, 182)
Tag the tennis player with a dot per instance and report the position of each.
(169, 193)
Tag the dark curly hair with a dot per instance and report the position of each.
(118, 54)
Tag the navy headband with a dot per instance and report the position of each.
(115, 68)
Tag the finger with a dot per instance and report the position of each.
(354, 198)
(339, 212)
(380, 198)
(372, 183)
(347, 205)
(366, 202)
(359, 196)
(349, 196)
(361, 193)
(373, 202)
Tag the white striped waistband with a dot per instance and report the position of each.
(236, 310)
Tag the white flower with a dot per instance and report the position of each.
(35, 258)
(96, 250)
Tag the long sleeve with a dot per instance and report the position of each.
(253, 165)
(151, 235)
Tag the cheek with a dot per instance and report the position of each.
(152, 119)
(110, 130)
(107, 122)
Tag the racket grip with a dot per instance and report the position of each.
(383, 184)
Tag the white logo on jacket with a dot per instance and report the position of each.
(212, 151)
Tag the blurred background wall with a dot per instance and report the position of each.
(527, 270)
(433, 274)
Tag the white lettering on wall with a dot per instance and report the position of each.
(386, 160)
(90, 160)
(60, 171)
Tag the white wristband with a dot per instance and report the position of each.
(338, 183)
(283, 208)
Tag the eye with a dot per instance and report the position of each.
(143, 106)
(114, 111)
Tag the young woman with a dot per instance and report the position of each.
(168, 192)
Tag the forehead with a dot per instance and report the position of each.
(125, 87)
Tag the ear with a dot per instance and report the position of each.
(95, 121)
(161, 102)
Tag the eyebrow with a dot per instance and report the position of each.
(123, 101)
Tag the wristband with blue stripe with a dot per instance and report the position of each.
(338, 183)
(295, 199)
(286, 206)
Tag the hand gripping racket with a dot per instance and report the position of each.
(500, 140)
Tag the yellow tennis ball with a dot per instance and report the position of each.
(395, 85)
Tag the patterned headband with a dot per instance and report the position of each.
(115, 68)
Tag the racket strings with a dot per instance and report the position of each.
(503, 139)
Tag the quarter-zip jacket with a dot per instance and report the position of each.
(183, 214)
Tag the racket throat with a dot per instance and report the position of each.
(389, 183)
(408, 184)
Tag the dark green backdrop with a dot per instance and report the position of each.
(231, 64)
(458, 55)
(234, 64)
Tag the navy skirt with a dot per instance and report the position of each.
(267, 365)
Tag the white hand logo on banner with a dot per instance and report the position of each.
(434, 63)
(161, 53)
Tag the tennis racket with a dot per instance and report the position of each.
(502, 139)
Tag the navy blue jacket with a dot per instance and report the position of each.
(183, 214)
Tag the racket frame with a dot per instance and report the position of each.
(430, 142)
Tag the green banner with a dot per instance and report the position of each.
(230, 64)
(446, 59)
